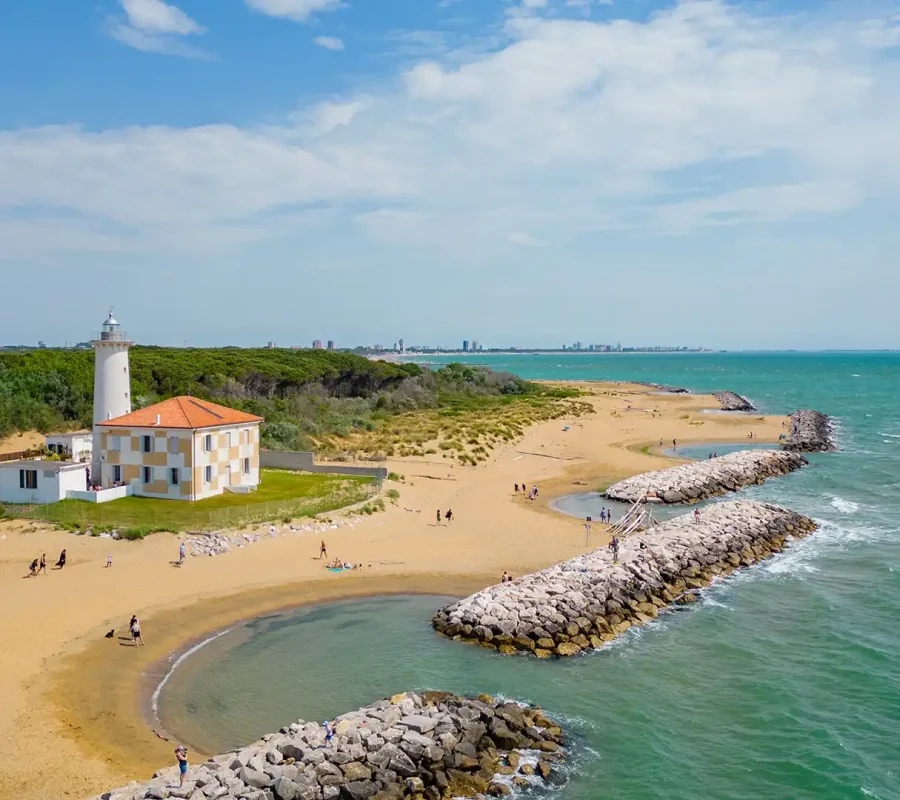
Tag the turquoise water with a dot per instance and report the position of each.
(783, 682)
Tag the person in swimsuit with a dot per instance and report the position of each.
(43, 566)
(323, 552)
(181, 755)
(438, 516)
(136, 631)
(33, 569)
(449, 515)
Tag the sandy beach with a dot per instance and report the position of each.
(72, 714)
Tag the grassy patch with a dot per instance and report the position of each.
(281, 495)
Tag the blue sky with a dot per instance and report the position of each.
(524, 172)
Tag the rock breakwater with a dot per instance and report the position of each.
(582, 603)
(811, 432)
(698, 480)
(424, 746)
(733, 402)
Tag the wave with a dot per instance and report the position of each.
(844, 506)
(890, 435)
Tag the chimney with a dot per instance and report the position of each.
(158, 419)
(109, 415)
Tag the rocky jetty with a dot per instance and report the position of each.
(710, 477)
(733, 402)
(582, 603)
(661, 387)
(811, 432)
(423, 746)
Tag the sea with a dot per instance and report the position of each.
(782, 683)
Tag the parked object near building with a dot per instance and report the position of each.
(39, 481)
(183, 448)
(76, 445)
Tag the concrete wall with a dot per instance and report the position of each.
(103, 496)
(53, 482)
(276, 459)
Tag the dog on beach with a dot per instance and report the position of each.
(110, 634)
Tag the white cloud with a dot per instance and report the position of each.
(525, 240)
(155, 16)
(297, 10)
(155, 27)
(329, 42)
(702, 116)
(879, 34)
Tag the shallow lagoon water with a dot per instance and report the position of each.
(783, 682)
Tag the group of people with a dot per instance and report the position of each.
(506, 577)
(39, 565)
(448, 516)
(532, 495)
(135, 627)
(713, 455)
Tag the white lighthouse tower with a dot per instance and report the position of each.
(112, 380)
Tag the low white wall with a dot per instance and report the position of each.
(103, 496)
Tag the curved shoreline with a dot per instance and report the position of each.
(77, 706)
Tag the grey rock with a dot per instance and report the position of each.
(418, 723)
(252, 777)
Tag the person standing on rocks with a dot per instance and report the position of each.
(614, 546)
(697, 516)
(323, 553)
(181, 755)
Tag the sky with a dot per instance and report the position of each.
(520, 172)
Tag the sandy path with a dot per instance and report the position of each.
(70, 711)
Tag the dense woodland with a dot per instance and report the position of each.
(303, 394)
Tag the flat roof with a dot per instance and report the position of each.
(68, 434)
(37, 463)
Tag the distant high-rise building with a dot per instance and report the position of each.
(402, 348)
(578, 346)
(271, 345)
(474, 346)
(331, 344)
(465, 345)
(317, 344)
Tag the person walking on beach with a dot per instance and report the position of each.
(504, 578)
(62, 560)
(33, 569)
(323, 553)
(587, 531)
(181, 755)
(674, 445)
(108, 561)
(449, 515)
(136, 631)
(517, 488)
(438, 516)
(535, 490)
(43, 566)
(181, 553)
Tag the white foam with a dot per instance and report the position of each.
(844, 506)
(890, 435)
(154, 701)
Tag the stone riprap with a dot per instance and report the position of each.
(811, 432)
(424, 746)
(733, 402)
(661, 387)
(580, 604)
(711, 477)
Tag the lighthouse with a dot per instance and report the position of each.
(112, 380)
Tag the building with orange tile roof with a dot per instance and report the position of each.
(183, 448)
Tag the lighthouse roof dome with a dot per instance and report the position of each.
(110, 319)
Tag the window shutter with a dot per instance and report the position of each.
(21, 478)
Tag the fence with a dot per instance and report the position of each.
(172, 515)
(21, 455)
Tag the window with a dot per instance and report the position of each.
(246, 466)
(148, 475)
(173, 445)
(147, 444)
(207, 474)
(207, 443)
(245, 435)
(117, 473)
(28, 479)
(174, 477)
(228, 438)
(115, 443)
